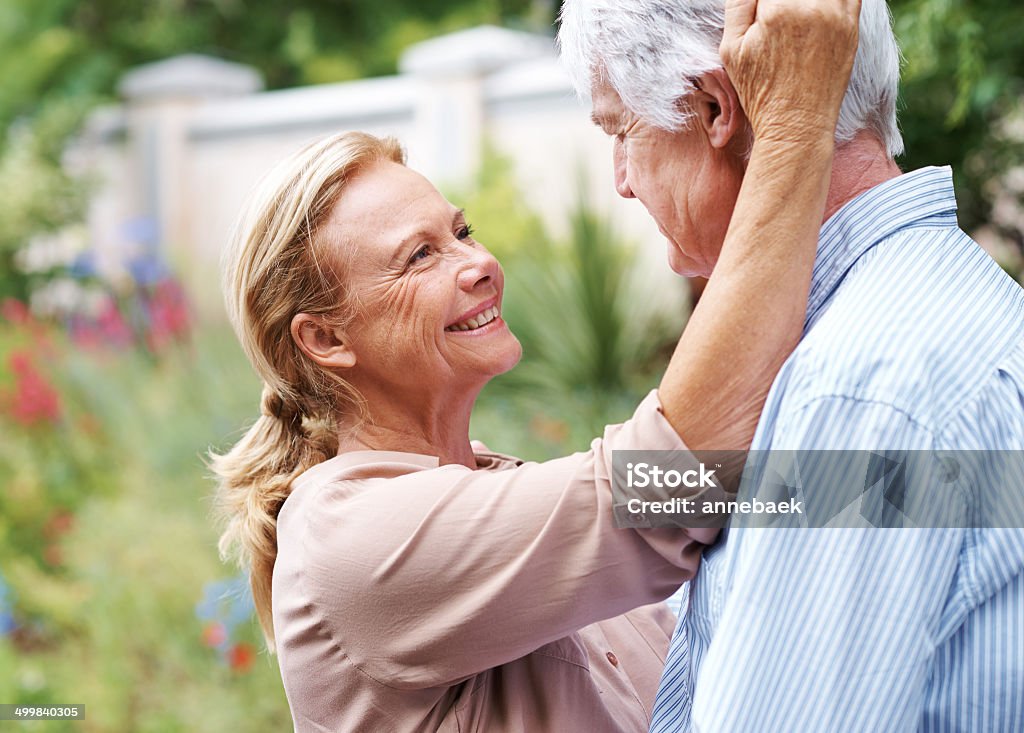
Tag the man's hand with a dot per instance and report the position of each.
(790, 62)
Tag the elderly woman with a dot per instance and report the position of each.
(414, 581)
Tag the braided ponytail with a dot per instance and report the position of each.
(274, 268)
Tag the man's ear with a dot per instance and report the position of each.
(717, 107)
(325, 345)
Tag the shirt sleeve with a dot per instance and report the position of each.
(427, 578)
(829, 629)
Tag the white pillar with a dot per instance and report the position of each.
(450, 115)
(159, 101)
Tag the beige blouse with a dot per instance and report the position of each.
(409, 596)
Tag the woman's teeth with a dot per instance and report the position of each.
(477, 321)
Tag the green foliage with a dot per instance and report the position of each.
(52, 453)
(59, 58)
(105, 533)
(963, 74)
(584, 320)
(107, 542)
(39, 194)
(594, 340)
(498, 212)
(106, 536)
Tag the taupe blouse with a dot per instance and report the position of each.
(409, 596)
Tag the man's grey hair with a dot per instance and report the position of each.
(652, 51)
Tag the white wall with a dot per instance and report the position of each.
(194, 134)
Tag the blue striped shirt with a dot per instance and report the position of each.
(914, 340)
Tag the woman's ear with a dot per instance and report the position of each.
(324, 344)
(717, 107)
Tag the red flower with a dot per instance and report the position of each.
(15, 311)
(34, 399)
(112, 326)
(20, 363)
(60, 523)
(214, 634)
(53, 555)
(241, 657)
(168, 315)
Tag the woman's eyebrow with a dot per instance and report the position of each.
(408, 241)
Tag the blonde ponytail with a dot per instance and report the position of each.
(275, 267)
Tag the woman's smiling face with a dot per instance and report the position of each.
(427, 296)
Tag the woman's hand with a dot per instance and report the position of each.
(787, 95)
(790, 62)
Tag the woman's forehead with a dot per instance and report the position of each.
(386, 205)
(386, 188)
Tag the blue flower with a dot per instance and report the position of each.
(147, 270)
(84, 264)
(7, 624)
(141, 247)
(227, 601)
(140, 229)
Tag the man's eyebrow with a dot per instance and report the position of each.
(604, 120)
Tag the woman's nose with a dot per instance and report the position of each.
(478, 268)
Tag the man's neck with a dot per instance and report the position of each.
(858, 166)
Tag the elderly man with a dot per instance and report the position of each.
(914, 339)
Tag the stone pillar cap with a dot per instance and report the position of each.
(190, 76)
(475, 51)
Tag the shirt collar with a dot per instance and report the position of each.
(869, 218)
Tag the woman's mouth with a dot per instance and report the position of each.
(481, 319)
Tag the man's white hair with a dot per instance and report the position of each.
(651, 51)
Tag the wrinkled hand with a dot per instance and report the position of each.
(790, 62)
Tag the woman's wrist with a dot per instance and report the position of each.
(801, 151)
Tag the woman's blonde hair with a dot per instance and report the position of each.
(277, 265)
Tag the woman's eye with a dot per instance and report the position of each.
(420, 254)
(465, 232)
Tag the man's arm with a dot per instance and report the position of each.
(829, 629)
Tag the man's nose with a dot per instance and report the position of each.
(619, 163)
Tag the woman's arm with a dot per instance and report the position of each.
(751, 314)
(425, 578)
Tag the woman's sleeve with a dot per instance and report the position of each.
(430, 577)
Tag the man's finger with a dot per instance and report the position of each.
(739, 16)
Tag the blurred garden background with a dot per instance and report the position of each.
(129, 131)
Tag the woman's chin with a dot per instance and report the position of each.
(506, 360)
(514, 357)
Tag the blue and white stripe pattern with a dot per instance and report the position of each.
(914, 340)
